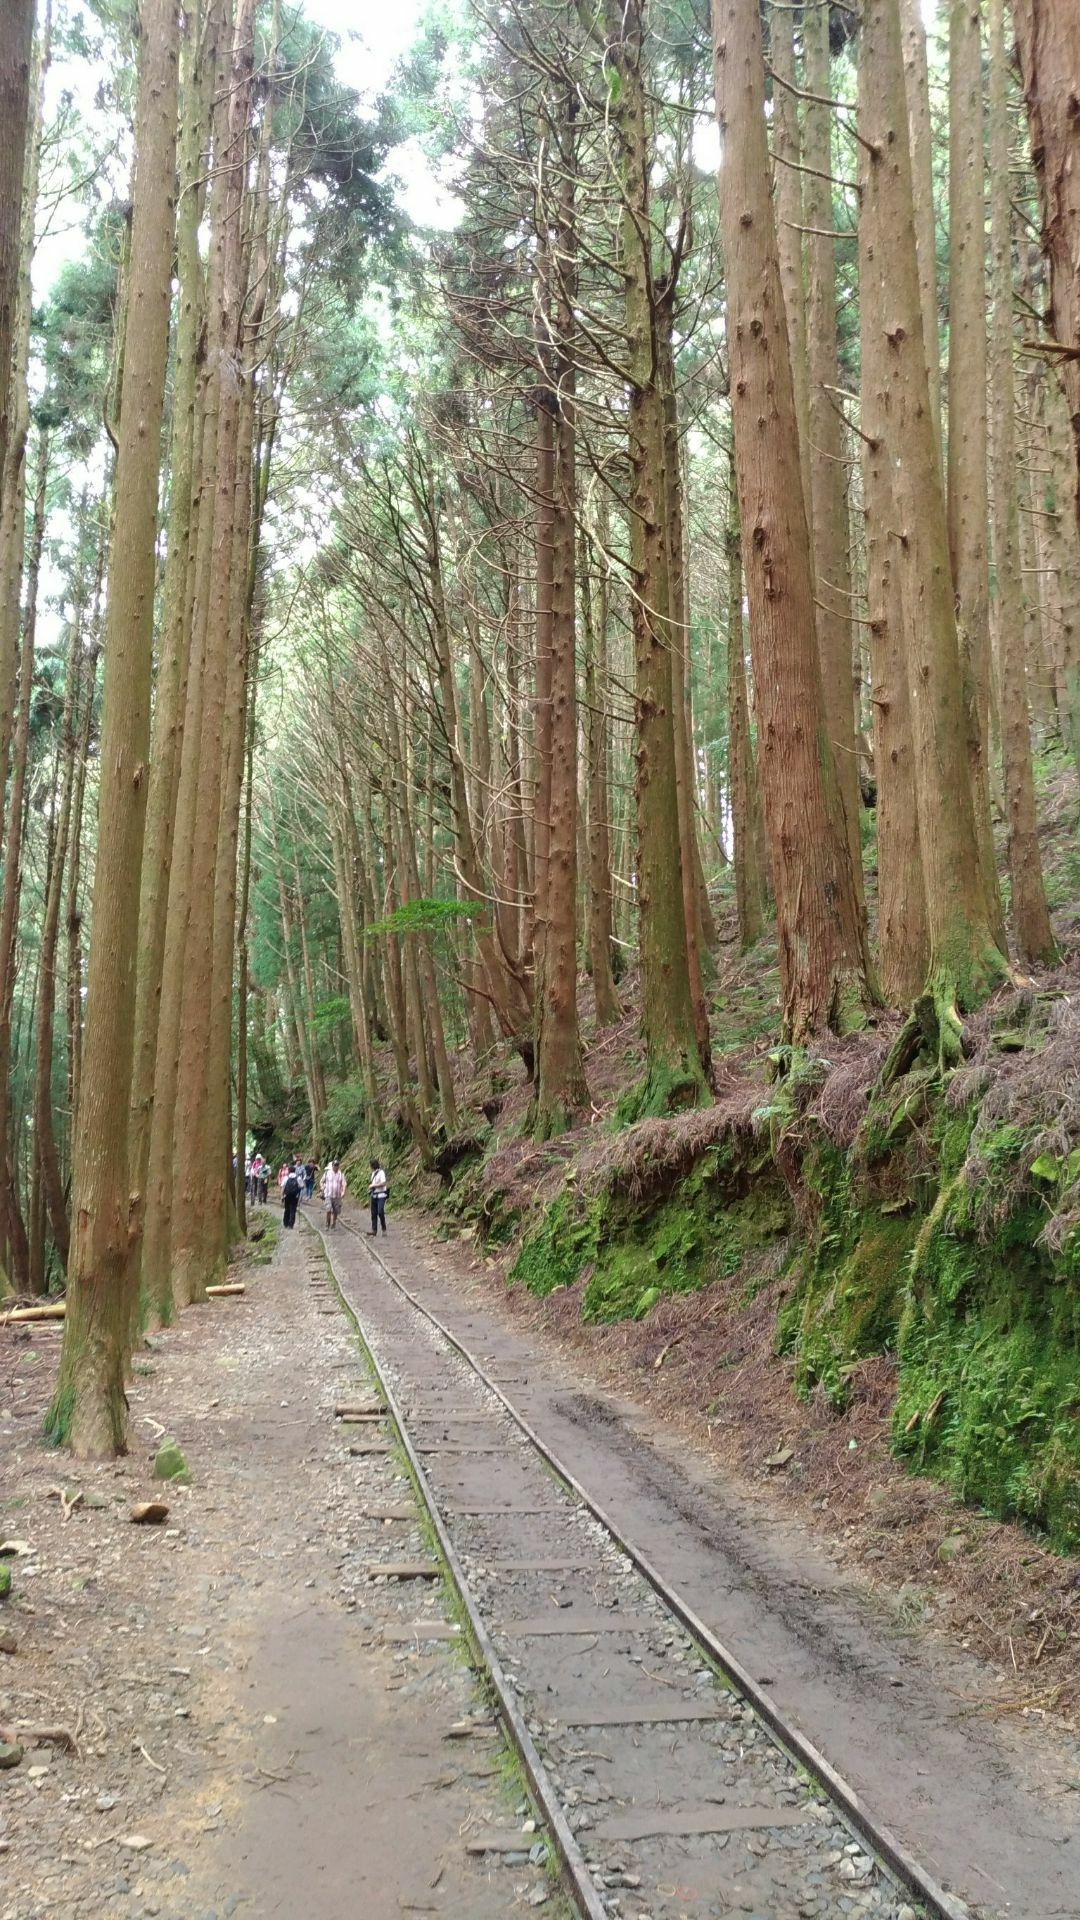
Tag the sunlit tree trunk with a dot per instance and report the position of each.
(89, 1409)
(594, 620)
(790, 219)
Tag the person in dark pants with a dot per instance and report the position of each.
(378, 1188)
(290, 1194)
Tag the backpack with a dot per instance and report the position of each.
(292, 1188)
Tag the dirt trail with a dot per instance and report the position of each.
(237, 1710)
(994, 1815)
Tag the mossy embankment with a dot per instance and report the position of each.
(934, 1221)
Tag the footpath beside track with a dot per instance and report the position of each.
(670, 1782)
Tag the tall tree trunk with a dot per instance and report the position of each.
(44, 1130)
(561, 1092)
(675, 1069)
(742, 773)
(790, 220)
(90, 1408)
(829, 450)
(902, 932)
(920, 132)
(1031, 921)
(197, 72)
(968, 499)
(16, 42)
(594, 620)
(12, 884)
(965, 957)
(823, 965)
(196, 1251)
(1048, 39)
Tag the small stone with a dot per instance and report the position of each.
(952, 1546)
(10, 1753)
(37, 1773)
(8, 1641)
(5, 1582)
(135, 1842)
(906, 1913)
(149, 1513)
(105, 1802)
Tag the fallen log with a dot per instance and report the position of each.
(55, 1311)
(233, 1286)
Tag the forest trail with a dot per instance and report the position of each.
(984, 1806)
(239, 1712)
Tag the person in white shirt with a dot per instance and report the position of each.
(378, 1189)
(333, 1192)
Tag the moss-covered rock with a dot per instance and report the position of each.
(5, 1581)
(170, 1464)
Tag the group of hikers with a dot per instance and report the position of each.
(296, 1182)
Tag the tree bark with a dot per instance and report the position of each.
(16, 42)
(1048, 39)
(1031, 921)
(89, 1409)
(742, 773)
(823, 965)
(965, 957)
(829, 452)
(966, 479)
(675, 1068)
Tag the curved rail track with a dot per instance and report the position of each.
(669, 1782)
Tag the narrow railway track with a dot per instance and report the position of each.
(669, 1782)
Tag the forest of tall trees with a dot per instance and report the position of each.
(445, 637)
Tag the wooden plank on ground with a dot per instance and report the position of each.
(651, 1823)
(547, 1624)
(655, 1714)
(503, 1842)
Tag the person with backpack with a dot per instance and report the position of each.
(333, 1192)
(290, 1196)
(379, 1190)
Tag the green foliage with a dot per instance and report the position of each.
(345, 1119)
(426, 916)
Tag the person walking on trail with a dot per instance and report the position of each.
(378, 1189)
(290, 1195)
(333, 1192)
(309, 1179)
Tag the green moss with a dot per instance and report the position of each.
(59, 1416)
(989, 1390)
(639, 1250)
(170, 1464)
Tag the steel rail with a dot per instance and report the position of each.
(882, 1842)
(578, 1880)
